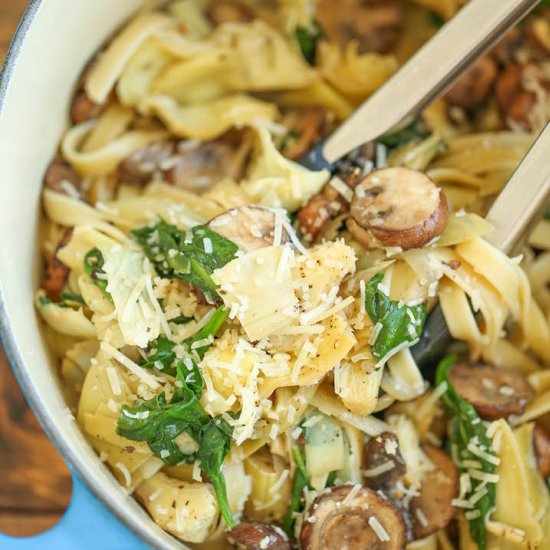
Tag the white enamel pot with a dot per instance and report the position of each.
(53, 43)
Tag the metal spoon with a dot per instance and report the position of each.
(520, 205)
(424, 78)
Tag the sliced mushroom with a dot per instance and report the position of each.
(541, 443)
(494, 392)
(143, 165)
(57, 273)
(258, 536)
(383, 467)
(505, 49)
(355, 518)
(190, 165)
(374, 24)
(474, 86)
(314, 216)
(433, 509)
(515, 103)
(63, 178)
(383, 463)
(250, 227)
(83, 108)
(225, 11)
(310, 126)
(397, 207)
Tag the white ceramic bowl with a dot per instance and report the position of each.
(53, 43)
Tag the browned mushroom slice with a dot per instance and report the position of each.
(397, 207)
(63, 178)
(310, 126)
(374, 24)
(515, 103)
(258, 536)
(383, 466)
(352, 517)
(314, 216)
(494, 392)
(198, 166)
(505, 49)
(57, 273)
(541, 443)
(83, 108)
(191, 165)
(225, 11)
(250, 227)
(433, 509)
(474, 86)
(142, 166)
(382, 461)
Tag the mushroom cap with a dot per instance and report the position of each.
(397, 207)
(494, 392)
(439, 488)
(352, 517)
(250, 227)
(258, 536)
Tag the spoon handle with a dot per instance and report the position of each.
(517, 209)
(424, 78)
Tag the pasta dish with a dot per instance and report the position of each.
(234, 331)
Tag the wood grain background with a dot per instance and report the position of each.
(35, 485)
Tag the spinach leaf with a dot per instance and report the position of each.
(308, 39)
(164, 349)
(300, 483)
(404, 135)
(93, 266)
(193, 377)
(70, 297)
(467, 428)
(176, 253)
(45, 301)
(215, 443)
(163, 353)
(210, 329)
(436, 20)
(331, 479)
(159, 423)
(182, 320)
(400, 323)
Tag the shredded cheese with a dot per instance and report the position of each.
(146, 377)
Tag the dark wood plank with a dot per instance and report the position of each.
(36, 485)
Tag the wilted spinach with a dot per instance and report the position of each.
(307, 40)
(400, 323)
(467, 427)
(181, 254)
(159, 423)
(93, 266)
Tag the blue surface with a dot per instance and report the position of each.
(87, 524)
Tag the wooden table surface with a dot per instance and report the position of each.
(35, 485)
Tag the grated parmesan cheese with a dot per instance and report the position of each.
(352, 494)
(339, 185)
(146, 377)
(423, 520)
(378, 529)
(380, 469)
(114, 381)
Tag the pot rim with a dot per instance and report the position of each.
(7, 336)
